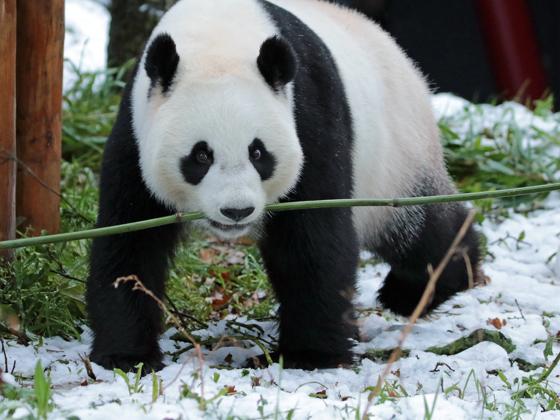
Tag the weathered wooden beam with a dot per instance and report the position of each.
(40, 39)
(8, 28)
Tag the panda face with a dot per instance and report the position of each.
(222, 142)
(223, 147)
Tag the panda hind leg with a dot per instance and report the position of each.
(410, 257)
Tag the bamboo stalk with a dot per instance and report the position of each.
(298, 205)
(414, 201)
(8, 27)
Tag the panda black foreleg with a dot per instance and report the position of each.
(126, 323)
(410, 258)
(311, 260)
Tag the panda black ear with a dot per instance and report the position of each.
(277, 62)
(162, 61)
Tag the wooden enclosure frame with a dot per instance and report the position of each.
(31, 74)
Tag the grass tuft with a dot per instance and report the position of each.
(90, 107)
(487, 148)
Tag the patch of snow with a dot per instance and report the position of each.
(510, 118)
(87, 37)
(557, 265)
(446, 104)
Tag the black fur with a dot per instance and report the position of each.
(162, 61)
(311, 257)
(192, 169)
(126, 324)
(277, 62)
(266, 163)
(409, 275)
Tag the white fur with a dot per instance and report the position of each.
(221, 98)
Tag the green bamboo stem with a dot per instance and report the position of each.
(298, 205)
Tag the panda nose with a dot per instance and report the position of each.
(237, 214)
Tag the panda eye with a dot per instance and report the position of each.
(202, 157)
(263, 161)
(256, 153)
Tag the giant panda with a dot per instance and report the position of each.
(236, 104)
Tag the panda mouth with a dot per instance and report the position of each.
(227, 228)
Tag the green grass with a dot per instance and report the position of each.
(133, 385)
(212, 280)
(37, 401)
(44, 286)
(496, 154)
(90, 106)
(42, 290)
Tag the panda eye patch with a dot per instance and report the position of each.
(195, 166)
(263, 161)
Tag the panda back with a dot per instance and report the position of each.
(396, 148)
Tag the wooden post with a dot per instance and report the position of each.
(8, 25)
(40, 39)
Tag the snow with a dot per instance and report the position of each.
(85, 45)
(524, 291)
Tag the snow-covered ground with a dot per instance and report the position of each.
(524, 295)
(522, 301)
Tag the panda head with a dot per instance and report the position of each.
(222, 143)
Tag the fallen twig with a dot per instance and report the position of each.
(137, 285)
(422, 304)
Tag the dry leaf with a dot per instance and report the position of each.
(207, 254)
(320, 394)
(219, 299)
(89, 368)
(230, 390)
(255, 381)
(245, 240)
(496, 323)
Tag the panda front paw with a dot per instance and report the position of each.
(306, 360)
(129, 363)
